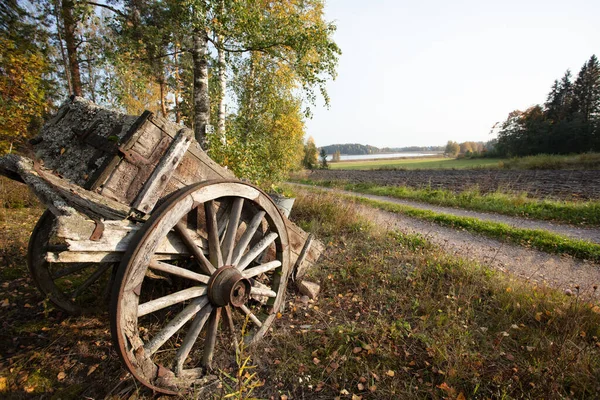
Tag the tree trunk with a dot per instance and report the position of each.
(69, 25)
(223, 89)
(201, 99)
(65, 60)
(163, 97)
(177, 86)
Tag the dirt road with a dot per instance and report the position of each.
(560, 184)
(561, 272)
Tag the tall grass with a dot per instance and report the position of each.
(547, 161)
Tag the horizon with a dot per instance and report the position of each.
(423, 74)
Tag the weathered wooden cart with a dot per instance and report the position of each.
(193, 259)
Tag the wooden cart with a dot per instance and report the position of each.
(192, 259)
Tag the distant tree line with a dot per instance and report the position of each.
(471, 149)
(569, 121)
(360, 149)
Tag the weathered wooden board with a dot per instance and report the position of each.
(122, 160)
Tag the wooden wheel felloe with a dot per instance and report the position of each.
(73, 287)
(176, 319)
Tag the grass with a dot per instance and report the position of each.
(546, 161)
(391, 304)
(535, 238)
(417, 163)
(570, 212)
(398, 318)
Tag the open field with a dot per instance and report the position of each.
(556, 184)
(417, 163)
(541, 161)
(397, 318)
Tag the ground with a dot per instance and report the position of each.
(407, 310)
(561, 184)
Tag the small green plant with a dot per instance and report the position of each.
(241, 385)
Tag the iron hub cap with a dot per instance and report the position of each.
(228, 286)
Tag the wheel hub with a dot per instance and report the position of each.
(228, 286)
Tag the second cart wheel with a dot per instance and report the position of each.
(227, 284)
(73, 287)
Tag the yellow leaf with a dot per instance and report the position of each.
(3, 384)
(461, 396)
(390, 373)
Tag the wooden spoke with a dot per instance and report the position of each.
(234, 220)
(214, 248)
(256, 250)
(200, 258)
(211, 338)
(246, 237)
(91, 279)
(174, 298)
(223, 219)
(70, 270)
(229, 316)
(252, 317)
(191, 336)
(252, 272)
(176, 323)
(174, 270)
(258, 291)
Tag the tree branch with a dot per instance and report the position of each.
(116, 11)
(246, 49)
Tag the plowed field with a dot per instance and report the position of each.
(559, 184)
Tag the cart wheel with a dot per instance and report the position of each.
(227, 285)
(74, 287)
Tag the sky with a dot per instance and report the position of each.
(420, 73)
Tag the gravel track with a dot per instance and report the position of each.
(575, 232)
(558, 271)
(558, 184)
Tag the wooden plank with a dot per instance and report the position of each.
(153, 188)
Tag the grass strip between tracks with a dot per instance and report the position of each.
(571, 212)
(535, 238)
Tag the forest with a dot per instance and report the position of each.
(568, 122)
(243, 74)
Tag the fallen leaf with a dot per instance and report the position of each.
(360, 387)
(344, 392)
(3, 384)
(461, 396)
(372, 388)
(390, 373)
(356, 397)
(92, 369)
(61, 376)
(357, 350)
(316, 361)
(5, 303)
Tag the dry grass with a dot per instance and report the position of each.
(390, 304)
(393, 304)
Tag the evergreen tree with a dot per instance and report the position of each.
(323, 156)
(586, 91)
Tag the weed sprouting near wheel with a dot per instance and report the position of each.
(176, 320)
(73, 287)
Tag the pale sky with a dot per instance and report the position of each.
(416, 73)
